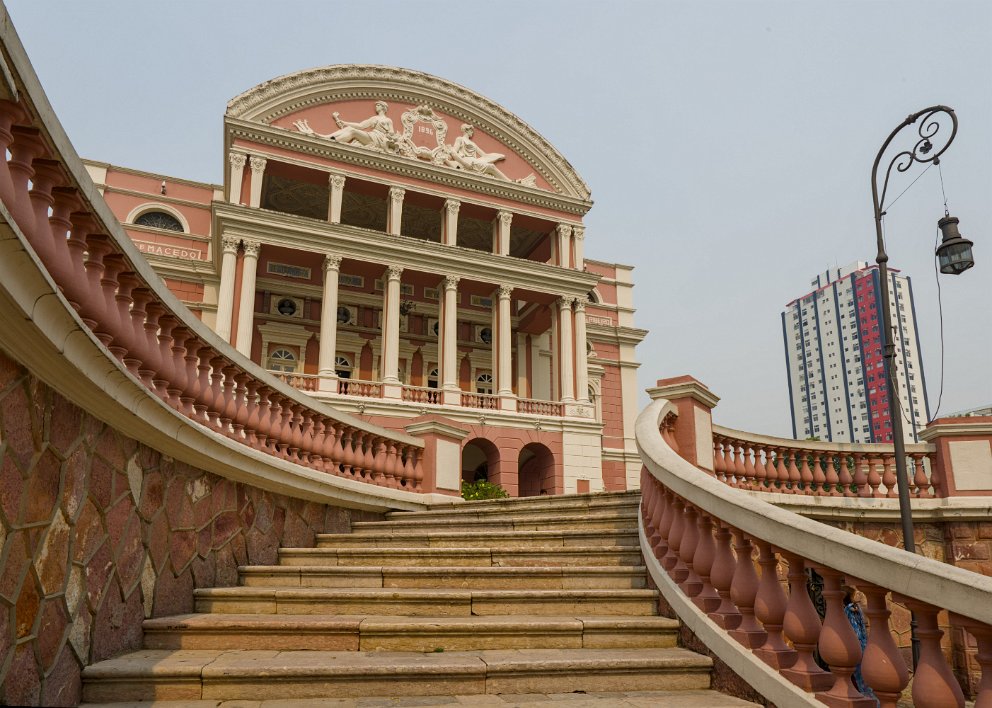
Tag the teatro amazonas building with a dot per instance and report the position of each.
(413, 253)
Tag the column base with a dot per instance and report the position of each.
(451, 397)
(328, 383)
(508, 402)
(392, 390)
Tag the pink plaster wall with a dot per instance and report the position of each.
(98, 532)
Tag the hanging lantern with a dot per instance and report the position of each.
(954, 251)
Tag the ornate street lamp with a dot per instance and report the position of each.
(954, 255)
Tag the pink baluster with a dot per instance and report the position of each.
(47, 176)
(313, 429)
(934, 685)
(92, 300)
(783, 459)
(247, 418)
(805, 473)
(719, 470)
(410, 468)
(802, 628)
(332, 447)
(216, 404)
(665, 516)
(204, 387)
(61, 268)
(346, 456)
(795, 476)
(392, 466)
(179, 383)
(920, 481)
(771, 472)
(832, 478)
(691, 585)
(889, 477)
(936, 480)
(740, 470)
(113, 265)
(165, 368)
(702, 563)
(673, 561)
(874, 476)
(861, 475)
(725, 615)
(759, 469)
(131, 332)
(151, 352)
(749, 471)
(259, 421)
(231, 403)
(983, 637)
(769, 608)
(285, 436)
(882, 666)
(10, 113)
(743, 591)
(839, 647)
(26, 147)
(845, 477)
(188, 397)
(819, 476)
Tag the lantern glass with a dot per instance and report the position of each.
(955, 256)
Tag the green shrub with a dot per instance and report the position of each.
(474, 491)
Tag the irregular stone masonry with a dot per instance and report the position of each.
(99, 532)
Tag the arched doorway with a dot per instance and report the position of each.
(535, 470)
(480, 460)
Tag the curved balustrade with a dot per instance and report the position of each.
(768, 464)
(705, 543)
(50, 202)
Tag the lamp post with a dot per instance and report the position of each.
(954, 255)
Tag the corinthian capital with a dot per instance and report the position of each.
(564, 229)
(257, 164)
(451, 282)
(565, 302)
(394, 271)
(230, 244)
(332, 263)
(237, 160)
(396, 194)
(252, 248)
(505, 291)
(336, 181)
(579, 232)
(452, 206)
(580, 305)
(505, 217)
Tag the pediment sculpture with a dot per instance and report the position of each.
(377, 133)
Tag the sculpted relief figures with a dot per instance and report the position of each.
(377, 133)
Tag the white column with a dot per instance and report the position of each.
(524, 390)
(337, 193)
(329, 325)
(504, 347)
(503, 233)
(581, 353)
(225, 295)
(237, 161)
(246, 311)
(449, 235)
(449, 341)
(395, 220)
(257, 165)
(579, 239)
(564, 236)
(391, 326)
(565, 374)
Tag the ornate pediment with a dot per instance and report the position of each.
(426, 119)
(376, 133)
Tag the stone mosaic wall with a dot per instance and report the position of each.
(98, 532)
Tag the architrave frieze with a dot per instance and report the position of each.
(348, 154)
(292, 92)
(367, 245)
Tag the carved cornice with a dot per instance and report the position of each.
(349, 154)
(292, 92)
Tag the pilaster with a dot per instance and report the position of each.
(237, 160)
(579, 242)
(502, 245)
(449, 234)
(336, 183)
(257, 165)
(395, 217)
(565, 349)
(564, 232)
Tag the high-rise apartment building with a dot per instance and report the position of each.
(834, 357)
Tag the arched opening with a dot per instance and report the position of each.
(342, 367)
(480, 459)
(484, 383)
(535, 470)
(282, 359)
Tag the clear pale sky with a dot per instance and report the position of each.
(728, 145)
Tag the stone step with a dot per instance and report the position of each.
(599, 699)
(559, 502)
(445, 577)
(584, 522)
(485, 509)
(500, 557)
(423, 603)
(268, 674)
(423, 634)
(479, 538)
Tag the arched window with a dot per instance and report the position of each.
(342, 367)
(484, 383)
(159, 220)
(432, 379)
(282, 360)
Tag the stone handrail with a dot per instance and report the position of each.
(48, 201)
(421, 394)
(360, 387)
(301, 382)
(769, 464)
(538, 407)
(758, 625)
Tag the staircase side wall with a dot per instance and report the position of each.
(99, 532)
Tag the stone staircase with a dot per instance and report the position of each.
(530, 596)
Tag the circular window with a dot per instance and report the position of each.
(344, 315)
(286, 307)
(486, 335)
(159, 220)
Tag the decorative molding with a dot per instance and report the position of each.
(451, 282)
(396, 194)
(237, 160)
(283, 95)
(580, 306)
(505, 217)
(257, 164)
(452, 206)
(336, 181)
(395, 272)
(579, 232)
(332, 263)
(564, 230)
(505, 291)
(230, 244)
(565, 302)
